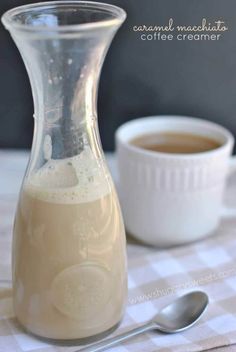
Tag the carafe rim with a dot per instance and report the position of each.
(115, 17)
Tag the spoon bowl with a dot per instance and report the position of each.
(182, 313)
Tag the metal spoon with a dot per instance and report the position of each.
(181, 314)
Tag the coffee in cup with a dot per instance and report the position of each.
(172, 176)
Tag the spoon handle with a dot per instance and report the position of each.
(100, 346)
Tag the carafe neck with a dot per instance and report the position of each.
(64, 74)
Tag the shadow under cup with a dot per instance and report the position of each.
(171, 199)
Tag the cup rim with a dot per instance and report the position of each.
(117, 16)
(229, 138)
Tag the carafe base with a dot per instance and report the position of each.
(73, 342)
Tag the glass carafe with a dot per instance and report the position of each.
(69, 256)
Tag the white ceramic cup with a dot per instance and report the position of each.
(171, 199)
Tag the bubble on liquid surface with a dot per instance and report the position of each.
(56, 175)
(78, 179)
(69, 61)
(82, 290)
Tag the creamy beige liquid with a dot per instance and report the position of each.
(175, 143)
(69, 253)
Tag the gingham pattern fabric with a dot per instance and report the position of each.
(156, 277)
